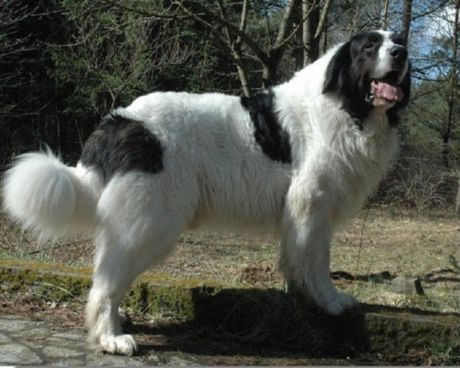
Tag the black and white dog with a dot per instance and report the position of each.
(302, 157)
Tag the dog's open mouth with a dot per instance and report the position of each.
(385, 91)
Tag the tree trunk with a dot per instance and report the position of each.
(406, 19)
(270, 70)
(235, 36)
(299, 50)
(452, 91)
(274, 55)
(310, 10)
(234, 45)
(385, 15)
(242, 73)
(313, 28)
(457, 200)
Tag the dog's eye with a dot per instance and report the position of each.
(398, 39)
(369, 45)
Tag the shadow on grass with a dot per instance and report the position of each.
(273, 324)
(261, 322)
(264, 322)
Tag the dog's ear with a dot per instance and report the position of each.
(336, 69)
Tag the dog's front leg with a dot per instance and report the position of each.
(305, 246)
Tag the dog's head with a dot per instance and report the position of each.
(371, 71)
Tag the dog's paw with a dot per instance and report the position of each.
(340, 303)
(120, 344)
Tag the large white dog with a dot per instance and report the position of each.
(303, 157)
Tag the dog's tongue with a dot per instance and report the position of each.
(387, 91)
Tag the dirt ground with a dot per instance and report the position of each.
(372, 250)
(384, 242)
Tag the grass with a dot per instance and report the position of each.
(255, 322)
(378, 240)
(227, 285)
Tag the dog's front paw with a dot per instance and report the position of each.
(120, 344)
(340, 303)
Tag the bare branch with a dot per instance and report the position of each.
(193, 8)
(406, 19)
(385, 15)
(235, 46)
(288, 38)
(452, 87)
(244, 16)
(286, 22)
(322, 20)
(430, 11)
(164, 15)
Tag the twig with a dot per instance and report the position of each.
(63, 290)
(358, 258)
(144, 13)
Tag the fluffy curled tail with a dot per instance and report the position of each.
(49, 197)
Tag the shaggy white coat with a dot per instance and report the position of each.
(214, 171)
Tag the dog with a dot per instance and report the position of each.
(302, 157)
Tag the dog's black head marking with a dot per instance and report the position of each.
(369, 62)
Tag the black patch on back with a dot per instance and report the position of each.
(120, 145)
(269, 134)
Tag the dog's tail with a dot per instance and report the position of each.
(49, 197)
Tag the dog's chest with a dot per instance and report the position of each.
(378, 143)
(363, 158)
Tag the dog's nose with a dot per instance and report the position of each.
(399, 53)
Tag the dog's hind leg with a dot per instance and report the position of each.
(119, 265)
(138, 232)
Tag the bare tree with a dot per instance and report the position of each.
(406, 19)
(12, 50)
(453, 86)
(218, 19)
(235, 44)
(236, 38)
(313, 27)
(385, 15)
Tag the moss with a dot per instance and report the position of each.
(144, 297)
(268, 318)
(163, 279)
(42, 267)
(399, 335)
(444, 354)
(43, 286)
(172, 300)
(160, 300)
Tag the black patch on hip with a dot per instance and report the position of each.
(120, 145)
(268, 132)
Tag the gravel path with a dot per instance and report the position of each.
(26, 342)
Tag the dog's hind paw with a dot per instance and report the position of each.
(120, 344)
(340, 304)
